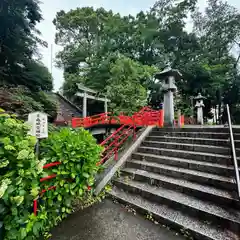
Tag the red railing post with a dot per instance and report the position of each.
(116, 154)
(35, 207)
(74, 122)
(104, 118)
(161, 118)
(182, 121)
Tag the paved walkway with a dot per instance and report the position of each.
(109, 221)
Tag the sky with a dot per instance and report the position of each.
(49, 9)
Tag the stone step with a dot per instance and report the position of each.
(196, 128)
(236, 130)
(174, 218)
(182, 173)
(211, 135)
(225, 216)
(202, 191)
(195, 134)
(187, 163)
(194, 155)
(237, 143)
(199, 141)
(189, 147)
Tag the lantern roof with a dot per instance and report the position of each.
(169, 72)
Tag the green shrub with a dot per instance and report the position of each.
(20, 173)
(79, 154)
(19, 180)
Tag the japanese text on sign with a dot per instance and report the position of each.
(39, 124)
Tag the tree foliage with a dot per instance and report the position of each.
(127, 84)
(21, 101)
(41, 78)
(158, 37)
(22, 76)
(121, 79)
(19, 40)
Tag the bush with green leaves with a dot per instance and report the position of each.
(19, 180)
(21, 171)
(79, 154)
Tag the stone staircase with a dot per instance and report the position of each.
(184, 178)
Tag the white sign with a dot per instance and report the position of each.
(39, 124)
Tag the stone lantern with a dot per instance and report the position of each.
(169, 76)
(199, 105)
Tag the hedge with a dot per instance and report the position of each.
(21, 171)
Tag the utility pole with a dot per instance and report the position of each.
(51, 58)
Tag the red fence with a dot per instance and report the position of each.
(115, 141)
(145, 117)
(49, 165)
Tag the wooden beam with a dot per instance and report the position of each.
(92, 97)
(85, 89)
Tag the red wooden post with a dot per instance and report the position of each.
(182, 121)
(105, 118)
(161, 118)
(35, 207)
(116, 154)
(74, 122)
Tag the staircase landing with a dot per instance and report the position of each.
(109, 221)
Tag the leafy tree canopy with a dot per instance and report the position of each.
(155, 38)
(23, 78)
(19, 40)
(121, 79)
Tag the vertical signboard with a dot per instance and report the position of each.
(39, 124)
